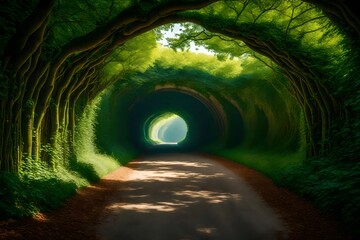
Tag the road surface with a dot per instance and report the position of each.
(178, 197)
(186, 197)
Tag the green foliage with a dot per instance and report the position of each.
(297, 19)
(332, 186)
(284, 19)
(167, 58)
(35, 189)
(12, 13)
(73, 19)
(43, 187)
(271, 115)
(236, 72)
(133, 56)
(88, 157)
(275, 165)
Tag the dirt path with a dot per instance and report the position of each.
(173, 197)
(186, 197)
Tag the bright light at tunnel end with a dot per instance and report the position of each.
(167, 129)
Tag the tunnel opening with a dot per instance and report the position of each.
(167, 129)
(182, 123)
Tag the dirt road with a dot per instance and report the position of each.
(187, 197)
(179, 197)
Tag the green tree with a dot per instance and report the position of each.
(54, 58)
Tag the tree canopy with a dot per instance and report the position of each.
(58, 57)
(66, 50)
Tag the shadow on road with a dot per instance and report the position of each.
(186, 197)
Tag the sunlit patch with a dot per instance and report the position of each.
(139, 196)
(40, 217)
(176, 29)
(165, 172)
(161, 176)
(205, 230)
(168, 176)
(167, 129)
(148, 207)
(173, 163)
(131, 188)
(169, 200)
(209, 196)
(182, 199)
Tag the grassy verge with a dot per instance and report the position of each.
(332, 186)
(272, 165)
(39, 187)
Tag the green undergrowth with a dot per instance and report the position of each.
(272, 165)
(332, 186)
(41, 187)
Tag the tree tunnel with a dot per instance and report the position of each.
(206, 121)
(215, 120)
(53, 78)
(278, 76)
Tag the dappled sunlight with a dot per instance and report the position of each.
(209, 196)
(41, 217)
(182, 199)
(139, 196)
(168, 171)
(173, 163)
(164, 177)
(161, 176)
(131, 188)
(167, 176)
(206, 230)
(148, 207)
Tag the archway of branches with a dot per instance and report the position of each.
(48, 82)
(297, 75)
